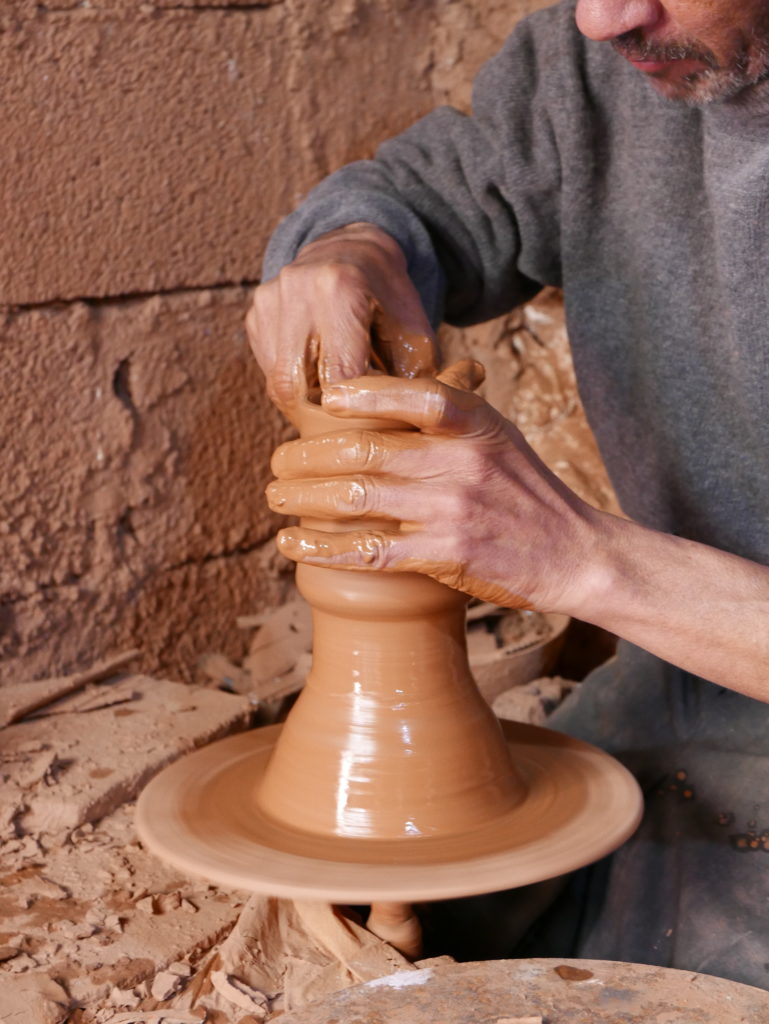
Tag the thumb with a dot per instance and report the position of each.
(406, 345)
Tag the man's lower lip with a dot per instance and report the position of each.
(651, 66)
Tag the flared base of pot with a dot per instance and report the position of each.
(200, 815)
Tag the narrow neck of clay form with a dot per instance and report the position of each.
(390, 737)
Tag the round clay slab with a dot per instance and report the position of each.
(200, 815)
(551, 991)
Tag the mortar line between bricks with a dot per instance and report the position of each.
(9, 599)
(42, 9)
(226, 8)
(13, 308)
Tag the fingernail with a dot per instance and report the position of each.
(274, 498)
(288, 544)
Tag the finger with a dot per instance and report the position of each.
(273, 341)
(466, 375)
(376, 550)
(358, 549)
(425, 403)
(348, 453)
(356, 498)
(359, 497)
(343, 315)
(406, 343)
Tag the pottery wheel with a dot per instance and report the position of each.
(555, 991)
(200, 815)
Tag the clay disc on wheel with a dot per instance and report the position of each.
(200, 815)
(554, 991)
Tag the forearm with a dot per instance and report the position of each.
(702, 609)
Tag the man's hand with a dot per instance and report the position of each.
(316, 322)
(464, 500)
(467, 501)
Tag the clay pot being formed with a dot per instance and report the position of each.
(390, 737)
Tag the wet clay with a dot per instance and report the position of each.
(404, 353)
(390, 737)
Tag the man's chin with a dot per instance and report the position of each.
(699, 88)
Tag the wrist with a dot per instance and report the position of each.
(594, 582)
(353, 240)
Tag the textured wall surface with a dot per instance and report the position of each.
(148, 149)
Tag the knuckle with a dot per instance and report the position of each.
(263, 302)
(373, 549)
(287, 278)
(280, 386)
(437, 404)
(364, 449)
(358, 498)
(333, 279)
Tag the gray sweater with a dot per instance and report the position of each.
(652, 217)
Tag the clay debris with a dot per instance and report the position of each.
(92, 924)
(279, 654)
(65, 769)
(17, 700)
(98, 931)
(533, 702)
(282, 955)
(156, 1017)
(520, 1020)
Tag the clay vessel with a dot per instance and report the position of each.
(390, 737)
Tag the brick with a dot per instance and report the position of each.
(154, 148)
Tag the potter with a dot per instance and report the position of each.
(617, 150)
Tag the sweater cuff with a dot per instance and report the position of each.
(320, 214)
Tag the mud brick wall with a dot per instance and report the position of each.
(148, 149)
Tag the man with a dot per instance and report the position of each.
(618, 149)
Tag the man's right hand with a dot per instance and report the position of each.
(346, 301)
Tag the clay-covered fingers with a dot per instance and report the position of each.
(405, 344)
(349, 452)
(309, 325)
(343, 308)
(355, 549)
(315, 322)
(359, 497)
(428, 404)
(396, 551)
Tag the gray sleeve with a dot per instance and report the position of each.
(472, 200)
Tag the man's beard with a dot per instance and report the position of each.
(712, 83)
